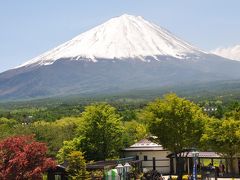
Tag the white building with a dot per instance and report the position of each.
(153, 155)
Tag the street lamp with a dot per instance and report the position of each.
(195, 155)
(120, 170)
(123, 170)
(127, 168)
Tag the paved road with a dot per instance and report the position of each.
(228, 178)
(166, 177)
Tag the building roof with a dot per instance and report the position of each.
(202, 154)
(205, 154)
(145, 145)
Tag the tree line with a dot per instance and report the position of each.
(100, 131)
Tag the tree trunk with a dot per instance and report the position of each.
(178, 166)
(231, 166)
(227, 165)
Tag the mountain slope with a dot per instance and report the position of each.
(122, 37)
(125, 53)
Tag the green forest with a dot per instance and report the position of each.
(99, 129)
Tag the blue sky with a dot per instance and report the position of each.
(29, 27)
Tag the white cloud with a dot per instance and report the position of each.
(230, 52)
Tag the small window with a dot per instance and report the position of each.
(137, 157)
(145, 158)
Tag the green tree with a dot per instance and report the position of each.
(52, 133)
(77, 166)
(177, 122)
(133, 132)
(102, 133)
(68, 147)
(235, 114)
(6, 127)
(223, 136)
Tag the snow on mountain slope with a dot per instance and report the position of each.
(232, 53)
(122, 37)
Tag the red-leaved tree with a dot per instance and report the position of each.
(22, 158)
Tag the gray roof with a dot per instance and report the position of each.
(202, 154)
(145, 145)
(205, 154)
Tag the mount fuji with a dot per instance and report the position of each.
(122, 54)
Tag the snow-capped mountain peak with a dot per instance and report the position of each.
(122, 37)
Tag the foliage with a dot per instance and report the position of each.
(23, 158)
(50, 110)
(6, 127)
(133, 132)
(9, 122)
(49, 113)
(52, 133)
(235, 114)
(67, 148)
(102, 132)
(177, 122)
(97, 174)
(223, 136)
(213, 108)
(77, 166)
